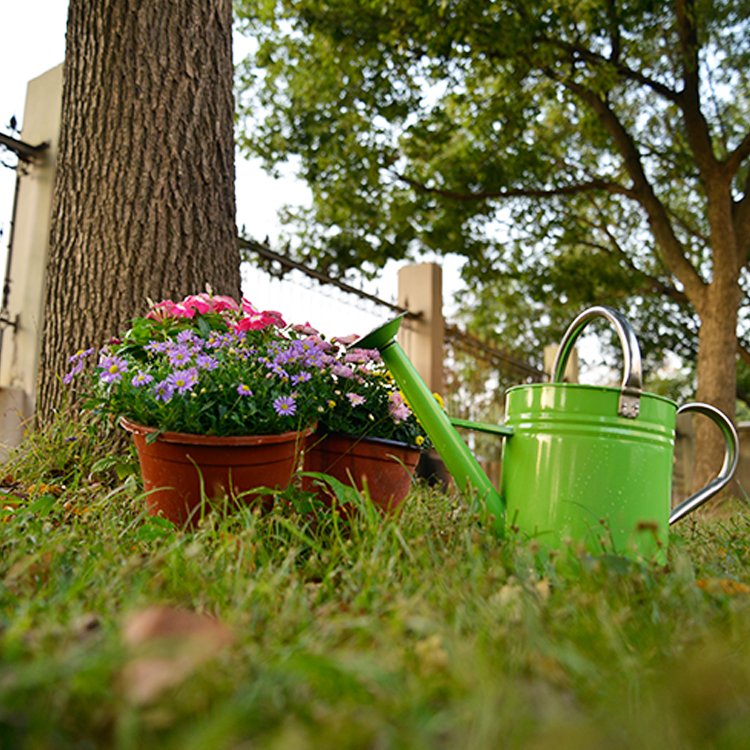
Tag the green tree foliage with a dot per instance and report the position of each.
(573, 152)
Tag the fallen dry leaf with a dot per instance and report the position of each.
(169, 645)
(727, 586)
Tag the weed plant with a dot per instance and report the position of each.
(420, 632)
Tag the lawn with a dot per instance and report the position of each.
(267, 631)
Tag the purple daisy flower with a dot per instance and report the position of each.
(112, 368)
(244, 390)
(76, 370)
(277, 369)
(179, 355)
(158, 347)
(397, 409)
(141, 378)
(183, 380)
(78, 363)
(302, 377)
(206, 362)
(187, 337)
(80, 355)
(163, 391)
(284, 406)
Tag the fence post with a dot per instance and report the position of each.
(571, 367)
(420, 290)
(20, 342)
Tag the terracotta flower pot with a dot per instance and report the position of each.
(386, 467)
(177, 466)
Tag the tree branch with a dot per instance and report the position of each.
(735, 159)
(643, 192)
(575, 189)
(576, 53)
(696, 127)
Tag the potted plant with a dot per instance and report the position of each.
(218, 397)
(367, 435)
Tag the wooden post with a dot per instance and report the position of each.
(420, 290)
(26, 272)
(571, 366)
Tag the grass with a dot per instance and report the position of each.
(427, 632)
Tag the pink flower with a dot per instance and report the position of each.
(342, 371)
(362, 356)
(320, 342)
(208, 303)
(201, 302)
(305, 330)
(346, 340)
(222, 303)
(398, 410)
(278, 321)
(248, 307)
(255, 322)
(355, 399)
(169, 309)
(254, 319)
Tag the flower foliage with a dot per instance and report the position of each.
(361, 397)
(212, 366)
(208, 365)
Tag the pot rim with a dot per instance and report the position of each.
(187, 438)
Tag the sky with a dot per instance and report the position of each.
(32, 41)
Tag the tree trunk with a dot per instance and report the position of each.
(144, 204)
(717, 376)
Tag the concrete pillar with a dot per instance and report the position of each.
(27, 258)
(420, 290)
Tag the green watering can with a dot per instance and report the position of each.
(587, 463)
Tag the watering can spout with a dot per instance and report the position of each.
(455, 453)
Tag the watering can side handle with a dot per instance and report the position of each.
(495, 429)
(630, 390)
(731, 457)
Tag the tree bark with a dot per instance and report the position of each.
(717, 375)
(144, 203)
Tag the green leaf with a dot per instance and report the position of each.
(104, 464)
(343, 492)
(155, 528)
(152, 437)
(42, 506)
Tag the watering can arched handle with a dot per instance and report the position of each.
(632, 381)
(731, 457)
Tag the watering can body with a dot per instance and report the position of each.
(586, 463)
(574, 469)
